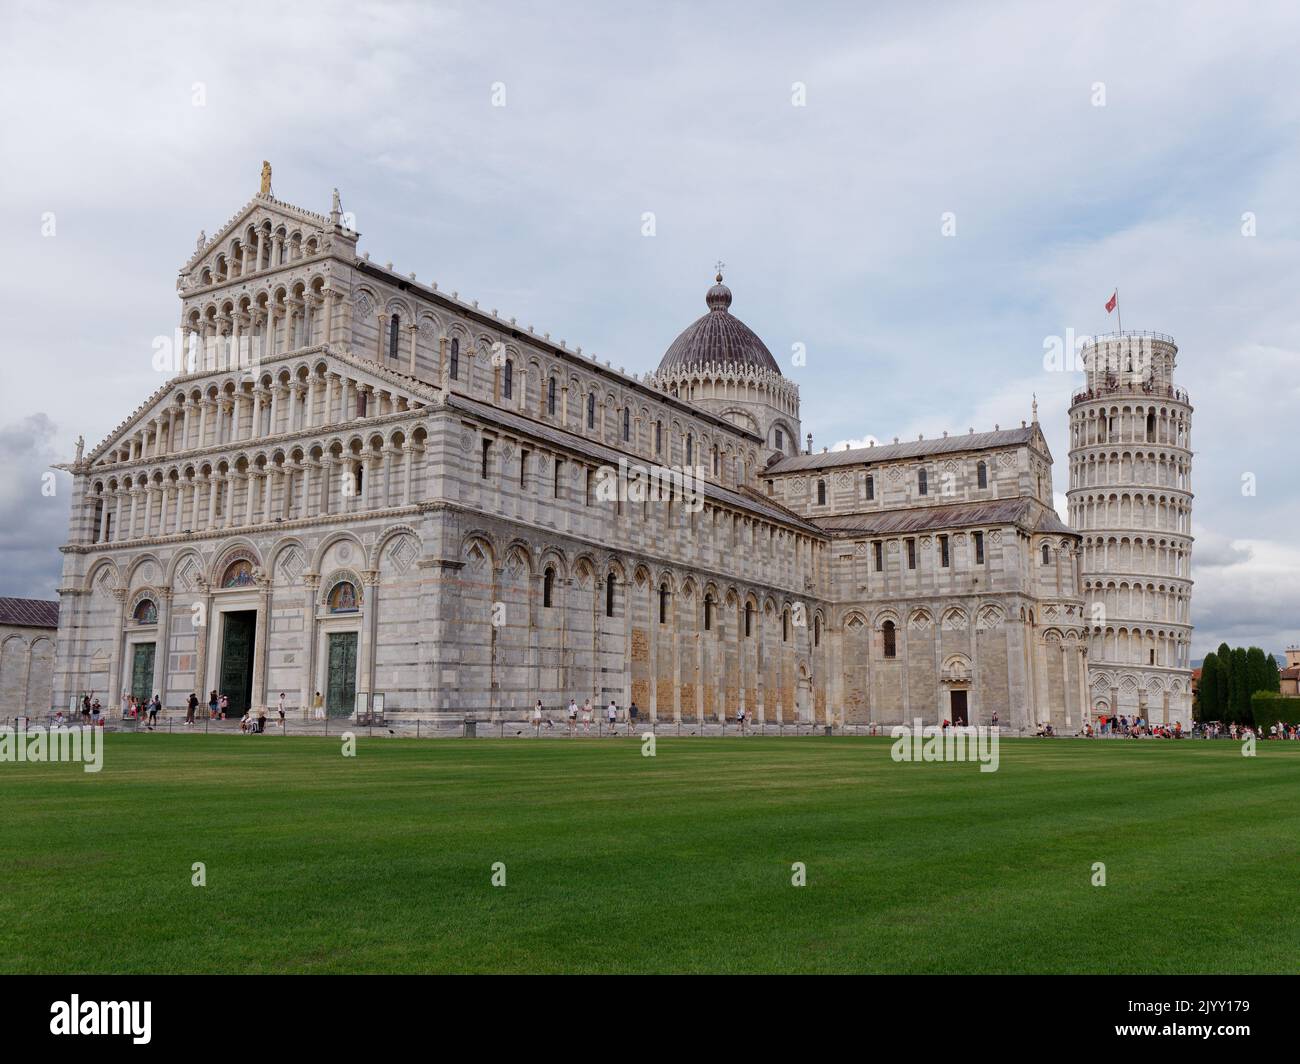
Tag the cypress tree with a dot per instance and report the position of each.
(1241, 686)
(1207, 693)
(1257, 669)
(1224, 654)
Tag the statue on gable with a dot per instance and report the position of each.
(202, 242)
(265, 190)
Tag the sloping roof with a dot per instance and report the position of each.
(958, 515)
(976, 441)
(742, 500)
(29, 613)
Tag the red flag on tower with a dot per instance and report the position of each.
(1113, 302)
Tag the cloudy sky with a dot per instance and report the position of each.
(816, 149)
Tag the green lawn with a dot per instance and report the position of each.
(681, 862)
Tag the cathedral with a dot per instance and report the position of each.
(356, 485)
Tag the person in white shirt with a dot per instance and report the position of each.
(586, 717)
(573, 716)
(740, 719)
(537, 717)
(612, 714)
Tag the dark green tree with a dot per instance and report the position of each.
(1224, 654)
(1240, 687)
(1274, 675)
(1257, 669)
(1207, 693)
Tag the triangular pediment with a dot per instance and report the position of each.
(266, 213)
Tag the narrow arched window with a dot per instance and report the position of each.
(821, 493)
(1151, 426)
(663, 604)
(780, 441)
(548, 587)
(708, 613)
(690, 448)
(394, 331)
(785, 627)
(888, 639)
(1047, 555)
(749, 619)
(982, 475)
(609, 595)
(455, 360)
(627, 424)
(817, 631)
(550, 397)
(659, 437)
(922, 482)
(591, 410)
(871, 486)
(508, 383)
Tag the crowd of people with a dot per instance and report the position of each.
(542, 720)
(1121, 726)
(1127, 727)
(1218, 730)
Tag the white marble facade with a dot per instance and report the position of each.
(1131, 497)
(357, 484)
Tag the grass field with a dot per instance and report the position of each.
(682, 862)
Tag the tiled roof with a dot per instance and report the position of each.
(977, 441)
(29, 613)
(744, 500)
(718, 339)
(958, 515)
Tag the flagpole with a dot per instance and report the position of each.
(1119, 312)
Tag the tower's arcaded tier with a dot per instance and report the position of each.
(1131, 498)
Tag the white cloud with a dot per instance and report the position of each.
(828, 214)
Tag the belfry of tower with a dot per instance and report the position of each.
(1131, 498)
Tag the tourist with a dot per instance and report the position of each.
(573, 717)
(318, 707)
(261, 722)
(586, 717)
(537, 717)
(225, 707)
(995, 720)
(740, 719)
(212, 706)
(154, 707)
(245, 720)
(191, 706)
(85, 708)
(280, 709)
(612, 714)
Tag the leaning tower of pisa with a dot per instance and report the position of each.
(1131, 499)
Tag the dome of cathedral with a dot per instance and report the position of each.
(718, 339)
